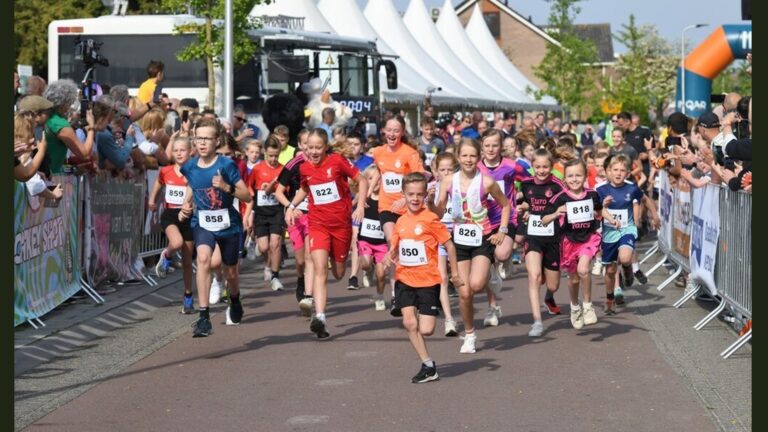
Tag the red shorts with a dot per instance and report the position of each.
(378, 252)
(335, 240)
(570, 252)
(298, 231)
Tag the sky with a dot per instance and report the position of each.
(670, 16)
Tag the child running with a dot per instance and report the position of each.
(468, 190)
(577, 207)
(269, 219)
(326, 180)
(179, 233)
(213, 183)
(415, 240)
(542, 242)
(371, 246)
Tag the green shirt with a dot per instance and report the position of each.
(57, 150)
(286, 154)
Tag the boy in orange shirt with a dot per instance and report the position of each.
(415, 240)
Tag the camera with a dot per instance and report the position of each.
(87, 51)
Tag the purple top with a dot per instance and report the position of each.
(505, 174)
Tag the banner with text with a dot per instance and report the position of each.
(46, 264)
(704, 235)
(665, 210)
(681, 230)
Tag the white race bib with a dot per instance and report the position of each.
(325, 193)
(536, 227)
(304, 205)
(264, 199)
(393, 183)
(468, 234)
(412, 253)
(175, 194)
(372, 229)
(580, 211)
(620, 215)
(429, 157)
(448, 215)
(214, 220)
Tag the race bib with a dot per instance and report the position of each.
(536, 227)
(325, 193)
(580, 211)
(501, 186)
(620, 215)
(264, 199)
(412, 253)
(393, 183)
(304, 205)
(468, 234)
(175, 194)
(214, 220)
(372, 229)
(428, 158)
(448, 215)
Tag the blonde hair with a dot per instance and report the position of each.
(154, 119)
(23, 127)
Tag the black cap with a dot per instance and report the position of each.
(189, 102)
(709, 120)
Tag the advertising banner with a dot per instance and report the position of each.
(665, 210)
(706, 230)
(681, 230)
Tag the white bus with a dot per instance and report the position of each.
(287, 59)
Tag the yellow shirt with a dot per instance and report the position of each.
(147, 90)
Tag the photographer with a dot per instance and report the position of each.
(115, 145)
(59, 134)
(735, 150)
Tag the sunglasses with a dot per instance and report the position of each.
(240, 119)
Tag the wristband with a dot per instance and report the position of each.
(291, 206)
(504, 230)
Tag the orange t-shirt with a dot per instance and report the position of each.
(262, 174)
(393, 165)
(416, 237)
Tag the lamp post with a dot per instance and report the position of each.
(682, 62)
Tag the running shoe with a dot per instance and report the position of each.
(161, 269)
(552, 306)
(202, 327)
(450, 328)
(234, 313)
(494, 283)
(368, 277)
(641, 277)
(276, 284)
(537, 329)
(516, 258)
(300, 289)
(609, 308)
(381, 305)
(353, 285)
(224, 293)
(189, 305)
(215, 294)
(394, 309)
(426, 374)
(597, 268)
(452, 293)
(317, 326)
(267, 274)
(618, 297)
(577, 318)
(501, 270)
(306, 306)
(492, 316)
(590, 317)
(629, 277)
(468, 347)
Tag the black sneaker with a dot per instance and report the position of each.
(202, 327)
(395, 310)
(353, 284)
(299, 289)
(629, 278)
(426, 374)
(317, 326)
(234, 312)
(452, 293)
(641, 277)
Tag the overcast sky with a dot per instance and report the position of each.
(670, 16)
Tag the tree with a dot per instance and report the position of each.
(734, 79)
(30, 21)
(564, 69)
(210, 41)
(646, 72)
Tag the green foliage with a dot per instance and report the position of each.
(734, 79)
(30, 22)
(565, 69)
(646, 72)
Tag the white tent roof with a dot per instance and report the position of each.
(417, 17)
(313, 19)
(482, 39)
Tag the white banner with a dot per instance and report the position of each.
(665, 209)
(704, 234)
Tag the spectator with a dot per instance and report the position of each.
(115, 145)
(241, 129)
(59, 134)
(38, 108)
(588, 137)
(621, 147)
(638, 137)
(150, 91)
(528, 125)
(735, 150)
(30, 161)
(539, 128)
(150, 134)
(35, 86)
(26, 164)
(329, 116)
(428, 141)
(482, 126)
(509, 125)
(473, 130)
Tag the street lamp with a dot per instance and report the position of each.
(682, 61)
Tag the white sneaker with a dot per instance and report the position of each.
(597, 268)
(367, 278)
(590, 317)
(537, 329)
(252, 250)
(381, 305)
(495, 281)
(306, 306)
(501, 270)
(215, 294)
(450, 328)
(267, 274)
(492, 317)
(276, 284)
(577, 318)
(468, 347)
